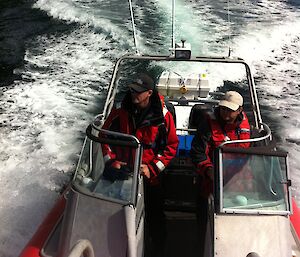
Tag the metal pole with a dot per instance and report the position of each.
(173, 25)
(228, 22)
(133, 27)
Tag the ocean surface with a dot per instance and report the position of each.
(56, 57)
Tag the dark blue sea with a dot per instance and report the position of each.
(56, 58)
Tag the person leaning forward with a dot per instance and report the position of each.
(142, 113)
(228, 122)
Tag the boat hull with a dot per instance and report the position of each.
(34, 246)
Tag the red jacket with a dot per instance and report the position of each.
(211, 134)
(154, 128)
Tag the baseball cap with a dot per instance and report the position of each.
(142, 83)
(232, 100)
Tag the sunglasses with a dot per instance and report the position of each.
(133, 91)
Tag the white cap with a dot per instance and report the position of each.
(232, 100)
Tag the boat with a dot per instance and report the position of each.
(96, 217)
(246, 216)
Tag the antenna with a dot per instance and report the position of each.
(183, 51)
(173, 25)
(228, 21)
(133, 27)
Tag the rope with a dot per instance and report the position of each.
(133, 27)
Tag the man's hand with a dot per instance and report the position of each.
(118, 164)
(145, 170)
(209, 172)
(115, 170)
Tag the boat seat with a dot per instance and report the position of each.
(171, 109)
(197, 115)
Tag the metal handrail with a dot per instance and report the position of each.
(82, 248)
(109, 132)
(251, 140)
(215, 59)
(173, 25)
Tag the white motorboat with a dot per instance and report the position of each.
(101, 218)
(246, 215)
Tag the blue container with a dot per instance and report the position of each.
(184, 146)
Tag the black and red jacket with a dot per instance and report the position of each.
(154, 128)
(212, 133)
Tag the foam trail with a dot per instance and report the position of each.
(70, 12)
(272, 51)
(262, 44)
(114, 25)
(196, 32)
(44, 118)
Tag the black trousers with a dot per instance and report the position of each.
(155, 222)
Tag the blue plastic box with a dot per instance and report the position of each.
(184, 146)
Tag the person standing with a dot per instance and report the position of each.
(142, 113)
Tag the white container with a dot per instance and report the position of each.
(192, 87)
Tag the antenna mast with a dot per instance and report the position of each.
(228, 21)
(183, 52)
(173, 25)
(133, 27)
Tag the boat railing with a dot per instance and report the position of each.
(268, 134)
(94, 132)
(82, 248)
(112, 89)
(252, 140)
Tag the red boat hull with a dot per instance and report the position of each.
(34, 246)
(295, 218)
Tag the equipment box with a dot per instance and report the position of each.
(175, 86)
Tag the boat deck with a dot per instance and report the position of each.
(182, 238)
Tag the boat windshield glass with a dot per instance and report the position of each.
(186, 82)
(253, 182)
(107, 166)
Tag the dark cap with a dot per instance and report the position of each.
(142, 83)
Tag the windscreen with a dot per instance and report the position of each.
(254, 182)
(107, 166)
(188, 79)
